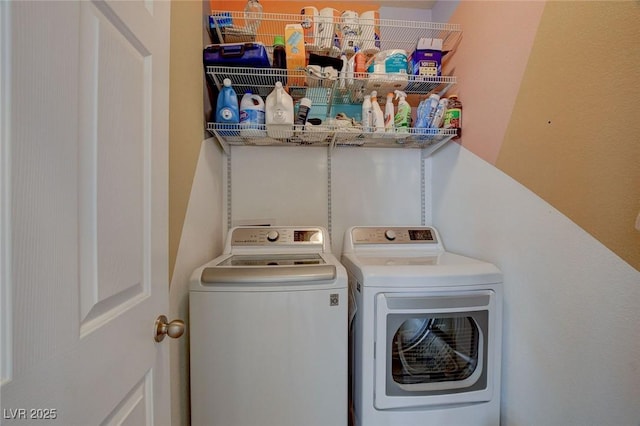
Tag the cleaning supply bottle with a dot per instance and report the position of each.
(389, 115)
(453, 116)
(376, 113)
(422, 115)
(279, 113)
(303, 113)
(279, 53)
(438, 118)
(227, 106)
(252, 116)
(403, 116)
(279, 59)
(366, 114)
(359, 67)
(253, 15)
(431, 107)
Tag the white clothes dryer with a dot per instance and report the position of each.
(268, 323)
(425, 333)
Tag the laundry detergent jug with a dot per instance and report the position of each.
(227, 106)
(252, 116)
(279, 113)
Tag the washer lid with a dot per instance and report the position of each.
(269, 269)
(273, 260)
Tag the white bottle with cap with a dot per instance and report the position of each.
(366, 114)
(279, 113)
(303, 112)
(376, 114)
(389, 114)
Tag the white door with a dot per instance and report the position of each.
(84, 108)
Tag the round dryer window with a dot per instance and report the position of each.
(436, 352)
(429, 350)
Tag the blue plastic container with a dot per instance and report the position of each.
(227, 107)
(227, 111)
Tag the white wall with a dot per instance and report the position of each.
(571, 351)
(288, 186)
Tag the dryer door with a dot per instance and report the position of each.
(433, 349)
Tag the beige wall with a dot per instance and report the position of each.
(489, 64)
(186, 113)
(574, 133)
(550, 93)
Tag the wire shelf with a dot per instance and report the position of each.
(326, 135)
(324, 91)
(394, 34)
(348, 89)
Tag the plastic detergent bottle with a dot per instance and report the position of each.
(227, 106)
(403, 116)
(388, 114)
(279, 113)
(251, 116)
(366, 114)
(376, 113)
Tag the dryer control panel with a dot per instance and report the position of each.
(394, 235)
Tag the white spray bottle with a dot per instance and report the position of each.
(376, 112)
(389, 115)
(403, 116)
(366, 114)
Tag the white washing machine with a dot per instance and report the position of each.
(268, 323)
(426, 330)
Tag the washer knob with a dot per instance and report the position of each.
(390, 234)
(272, 236)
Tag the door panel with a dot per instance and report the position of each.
(114, 147)
(84, 211)
(134, 409)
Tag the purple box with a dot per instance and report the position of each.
(426, 60)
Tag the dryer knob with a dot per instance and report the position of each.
(272, 236)
(390, 234)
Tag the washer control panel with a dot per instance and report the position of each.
(394, 235)
(268, 236)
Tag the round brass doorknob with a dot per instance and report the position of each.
(172, 329)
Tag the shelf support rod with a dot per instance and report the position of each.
(423, 186)
(329, 194)
(229, 189)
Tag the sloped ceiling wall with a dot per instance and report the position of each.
(549, 91)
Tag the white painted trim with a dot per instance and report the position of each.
(6, 335)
